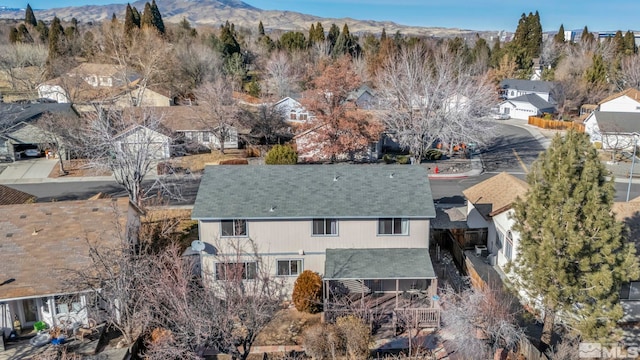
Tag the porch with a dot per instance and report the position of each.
(384, 287)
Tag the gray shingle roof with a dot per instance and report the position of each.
(313, 191)
(618, 122)
(369, 264)
(536, 101)
(527, 85)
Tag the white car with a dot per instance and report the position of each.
(501, 116)
(32, 153)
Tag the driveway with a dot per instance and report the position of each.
(28, 169)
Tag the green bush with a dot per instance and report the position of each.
(281, 155)
(388, 159)
(433, 154)
(403, 159)
(307, 292)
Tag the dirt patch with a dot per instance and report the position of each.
(77, 168)
(196, 163)
(286, 328)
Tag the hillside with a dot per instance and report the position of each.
(217, 12)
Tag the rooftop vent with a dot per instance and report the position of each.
(391, 176)
(272, 209)
(9, 235)
(335, 178)
(48, 213)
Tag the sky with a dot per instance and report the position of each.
(465, 14)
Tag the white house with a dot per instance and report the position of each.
(142, 138)
(613, 130)
(526, 105)
(42, 243)
(624, 101)
(343, 221)
(513, 88)
(489, 205)
(293, 110)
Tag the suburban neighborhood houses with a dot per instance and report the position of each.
(188, 190)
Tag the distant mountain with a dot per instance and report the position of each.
(217, 12)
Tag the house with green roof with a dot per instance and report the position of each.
(365, 228)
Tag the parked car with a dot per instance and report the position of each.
(501, 116)
(32, 153)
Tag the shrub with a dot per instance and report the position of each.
(433, 154)
(388, 159)
(307, 292)
(402, 159)
(281, 155)
(252, 152)
(323, 341)
(357, 336)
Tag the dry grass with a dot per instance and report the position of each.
(286, 328)
(196, 163)
(77, 168)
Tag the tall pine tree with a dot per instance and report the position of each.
(129, 21)
(260, 29)
(558, 38)
(157, 18)
(29, 17)
(572, 255)
(147, 16)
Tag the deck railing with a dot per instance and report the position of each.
(420, 317)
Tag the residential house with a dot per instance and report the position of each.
(489, 206)
(624, 101)
(107, 84)
(363, 227)
(191, 124)
(364, 98)
(141, 138)
(293, 110)
(11, 196)
(19, 129)
(42, 244)
(309, 151)
(523, 106)
(513, 88)
(613, 130)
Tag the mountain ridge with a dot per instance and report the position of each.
(217, 12)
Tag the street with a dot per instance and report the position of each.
(513, 150)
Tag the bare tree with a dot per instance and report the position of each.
(267, 123)
(126, 144)
(281, 75)
(481, 321)
(218, 110)
(234, 302)
(24, 64)
(196, 64)
(630, 71)
(431, 96)
(63, 132)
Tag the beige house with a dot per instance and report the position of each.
(41, 244)
(365, 228)
(141, 138)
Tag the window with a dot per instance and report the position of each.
(289, 267)
(234, 227)
(236, 271)
(325, 227)
(499, 239)
(206, 136)
(66, 304)
(393, 226)
(508, 246)
(303, 117)
(293, 115)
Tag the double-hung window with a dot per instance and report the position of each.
(508, 246)
(325, 227)
(289, 267)
(236, 271)
(233, 228)
(393, 226)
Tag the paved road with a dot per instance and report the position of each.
(513, 150)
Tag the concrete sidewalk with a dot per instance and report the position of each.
(27, 169)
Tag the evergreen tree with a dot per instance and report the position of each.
(56, 40)
(586, 36)
(43, 31)
(572, 254)
(157, 18)
(292, 41)
(136, 16)
(559, 37)
(618, 43)
(23, 32)
(332, 36)
(342, 45)
(147, 16)
(319, 35)
(261, 28)
(596, 74)
(114, 19)
(629, 43)
(496, 54)
(29, 17)
(383, 35)
(312, 35)
(228, 43)
(129, 21)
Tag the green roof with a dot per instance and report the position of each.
(370, 264)
(313, 191)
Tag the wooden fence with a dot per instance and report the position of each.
(555, 124)
(530, 352)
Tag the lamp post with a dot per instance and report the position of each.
(633, 162)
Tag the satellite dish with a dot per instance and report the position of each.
(197, 245)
